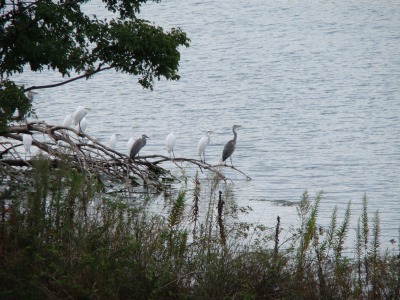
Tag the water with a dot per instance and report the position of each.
(315, 85)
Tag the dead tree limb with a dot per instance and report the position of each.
(86, 154)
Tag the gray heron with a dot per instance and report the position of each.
(137, 145)
(30, 96)
(230, 146)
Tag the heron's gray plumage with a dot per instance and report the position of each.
(230, 146)
(30, 96)
(137, 145)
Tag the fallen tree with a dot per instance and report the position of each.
(87, 155)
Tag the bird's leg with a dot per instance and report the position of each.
(231, 161)
(173, 153)
(80, 132)
(27, 152)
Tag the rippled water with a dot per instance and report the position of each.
(315, 85)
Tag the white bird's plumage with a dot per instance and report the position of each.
(203, 143)
(27, 140)
(170, 143)
(68, 120)
(82, 125)
(131, 141)
(113, 140)
(80, 113)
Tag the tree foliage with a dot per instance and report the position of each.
(59, 36)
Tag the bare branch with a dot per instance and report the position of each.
(87, 75)
(86, 154)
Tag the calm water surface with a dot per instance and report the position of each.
(315, 85)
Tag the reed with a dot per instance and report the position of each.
(62, 236)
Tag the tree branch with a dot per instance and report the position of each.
(87, 75)
(85, 154)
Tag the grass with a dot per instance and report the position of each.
(62, 237)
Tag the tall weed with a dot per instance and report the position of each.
(65, 238)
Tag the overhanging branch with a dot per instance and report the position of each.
(68, 81)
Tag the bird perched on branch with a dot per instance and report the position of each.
(79, 114)
(113, 140)
(203, 143)
(82, 125)
(131, 140)
(138, 145)
(230, 146)
(68, 120)
(170, 143)
(30, 96)
(27, 141)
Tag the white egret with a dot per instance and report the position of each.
(113, 140)
(80, 113)
(137, 145)
(203, 143)
(230, 146)
(170, 143)
(131, 140)
(27, 141)
(82, 125)
(68, 120)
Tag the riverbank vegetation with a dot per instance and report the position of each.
(63, 236)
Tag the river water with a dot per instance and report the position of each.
(314, 84)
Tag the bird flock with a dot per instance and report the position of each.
(79, 121)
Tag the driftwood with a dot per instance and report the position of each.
(86, 154)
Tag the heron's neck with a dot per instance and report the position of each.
(234, 135)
